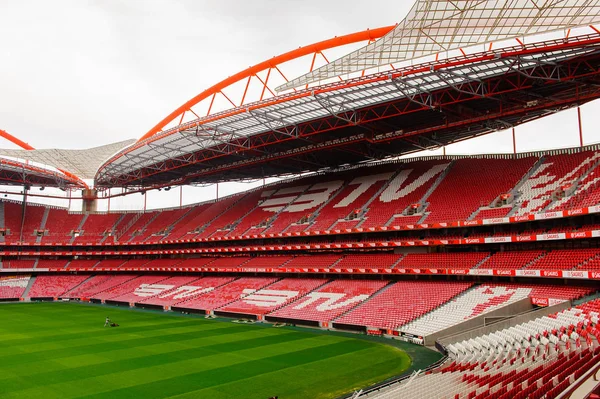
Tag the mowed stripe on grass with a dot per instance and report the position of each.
(57, 350)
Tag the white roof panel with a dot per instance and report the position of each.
(82, 163)
(434, 26)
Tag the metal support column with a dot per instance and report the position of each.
(23, 209)
(580, 128)
(514, 140)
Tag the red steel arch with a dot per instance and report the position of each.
(25, 146)
(271, 64)
(15, 140)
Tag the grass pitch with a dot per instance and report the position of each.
(61, 350)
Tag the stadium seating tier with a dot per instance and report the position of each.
(402, 193)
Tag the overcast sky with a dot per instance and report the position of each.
(76, 74)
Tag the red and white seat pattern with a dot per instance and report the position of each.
(472, 303)
(549, 291)
(572, 323)
(95, 286)
(177, 289)
(275, 296)
(536, 359)
(226, 294)
(587, 194)
(148, 290)
(268, 204)
(113, 287)
(293, 204)
(12, 287)
(407, 188)
(331, 300)
(84, 289)
(415, 307)
(522, 374)
(402, 302)
(54, 286)
(556, 172)
(382, 195)
(473, 183)
(558, 291)
(351, 198)
(557, 260)
(131, 290)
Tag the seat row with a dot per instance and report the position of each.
(416, 307)
(537, 359)
(428, 191)
(563, 259)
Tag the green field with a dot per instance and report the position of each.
(62, 350)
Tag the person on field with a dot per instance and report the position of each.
(107, 322)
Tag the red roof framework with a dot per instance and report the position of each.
(16, 171)
(22, 173)
(435, 26)
(366, 118)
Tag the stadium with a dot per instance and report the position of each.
(302, 229)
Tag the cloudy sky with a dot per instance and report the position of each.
(76, 74)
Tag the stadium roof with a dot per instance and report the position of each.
(82, 163)
(24, 173)
(434, 26)
(362, 107)
(367, 118)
